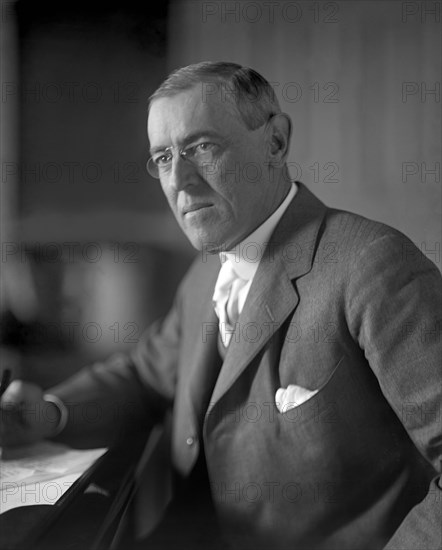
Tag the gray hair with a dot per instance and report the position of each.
(251, 94)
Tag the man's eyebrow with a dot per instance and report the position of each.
(188, 139)
(154, 150)
(210, 134)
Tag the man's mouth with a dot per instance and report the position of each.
(195, 207)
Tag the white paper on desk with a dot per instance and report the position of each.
(14, 494)
(41, 473)
(14, 473)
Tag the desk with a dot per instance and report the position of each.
(96, 512)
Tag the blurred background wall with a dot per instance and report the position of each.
(90, 252)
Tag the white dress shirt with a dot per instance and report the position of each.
(246, 255)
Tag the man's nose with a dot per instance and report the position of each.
(182, 173)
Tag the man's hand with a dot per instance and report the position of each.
(25, 417)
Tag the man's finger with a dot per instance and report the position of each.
(14, 392)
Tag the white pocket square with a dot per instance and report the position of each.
(292, 396)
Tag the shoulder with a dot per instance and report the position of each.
(357, 228)
(360, 239)
(377, 262)
(312, 224)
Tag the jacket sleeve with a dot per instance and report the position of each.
(127, 391)
(393, 309)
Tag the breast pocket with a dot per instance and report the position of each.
(320, 407)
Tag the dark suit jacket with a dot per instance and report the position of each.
(340, 304)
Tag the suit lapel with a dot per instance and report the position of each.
(270, 300)
(272, 296)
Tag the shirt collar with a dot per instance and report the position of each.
(246, 255)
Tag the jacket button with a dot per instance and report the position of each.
(190, 441)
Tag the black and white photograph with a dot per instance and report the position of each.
(221, 291)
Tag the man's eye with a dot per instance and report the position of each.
(204, 147)
(162, 159)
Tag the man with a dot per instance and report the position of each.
(304, 374)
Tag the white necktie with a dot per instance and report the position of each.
(225, 298)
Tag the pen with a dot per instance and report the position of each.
(6, 379)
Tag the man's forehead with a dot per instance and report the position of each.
(189, 109)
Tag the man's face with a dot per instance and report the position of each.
(218, 205)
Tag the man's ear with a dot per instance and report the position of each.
(279, 131)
